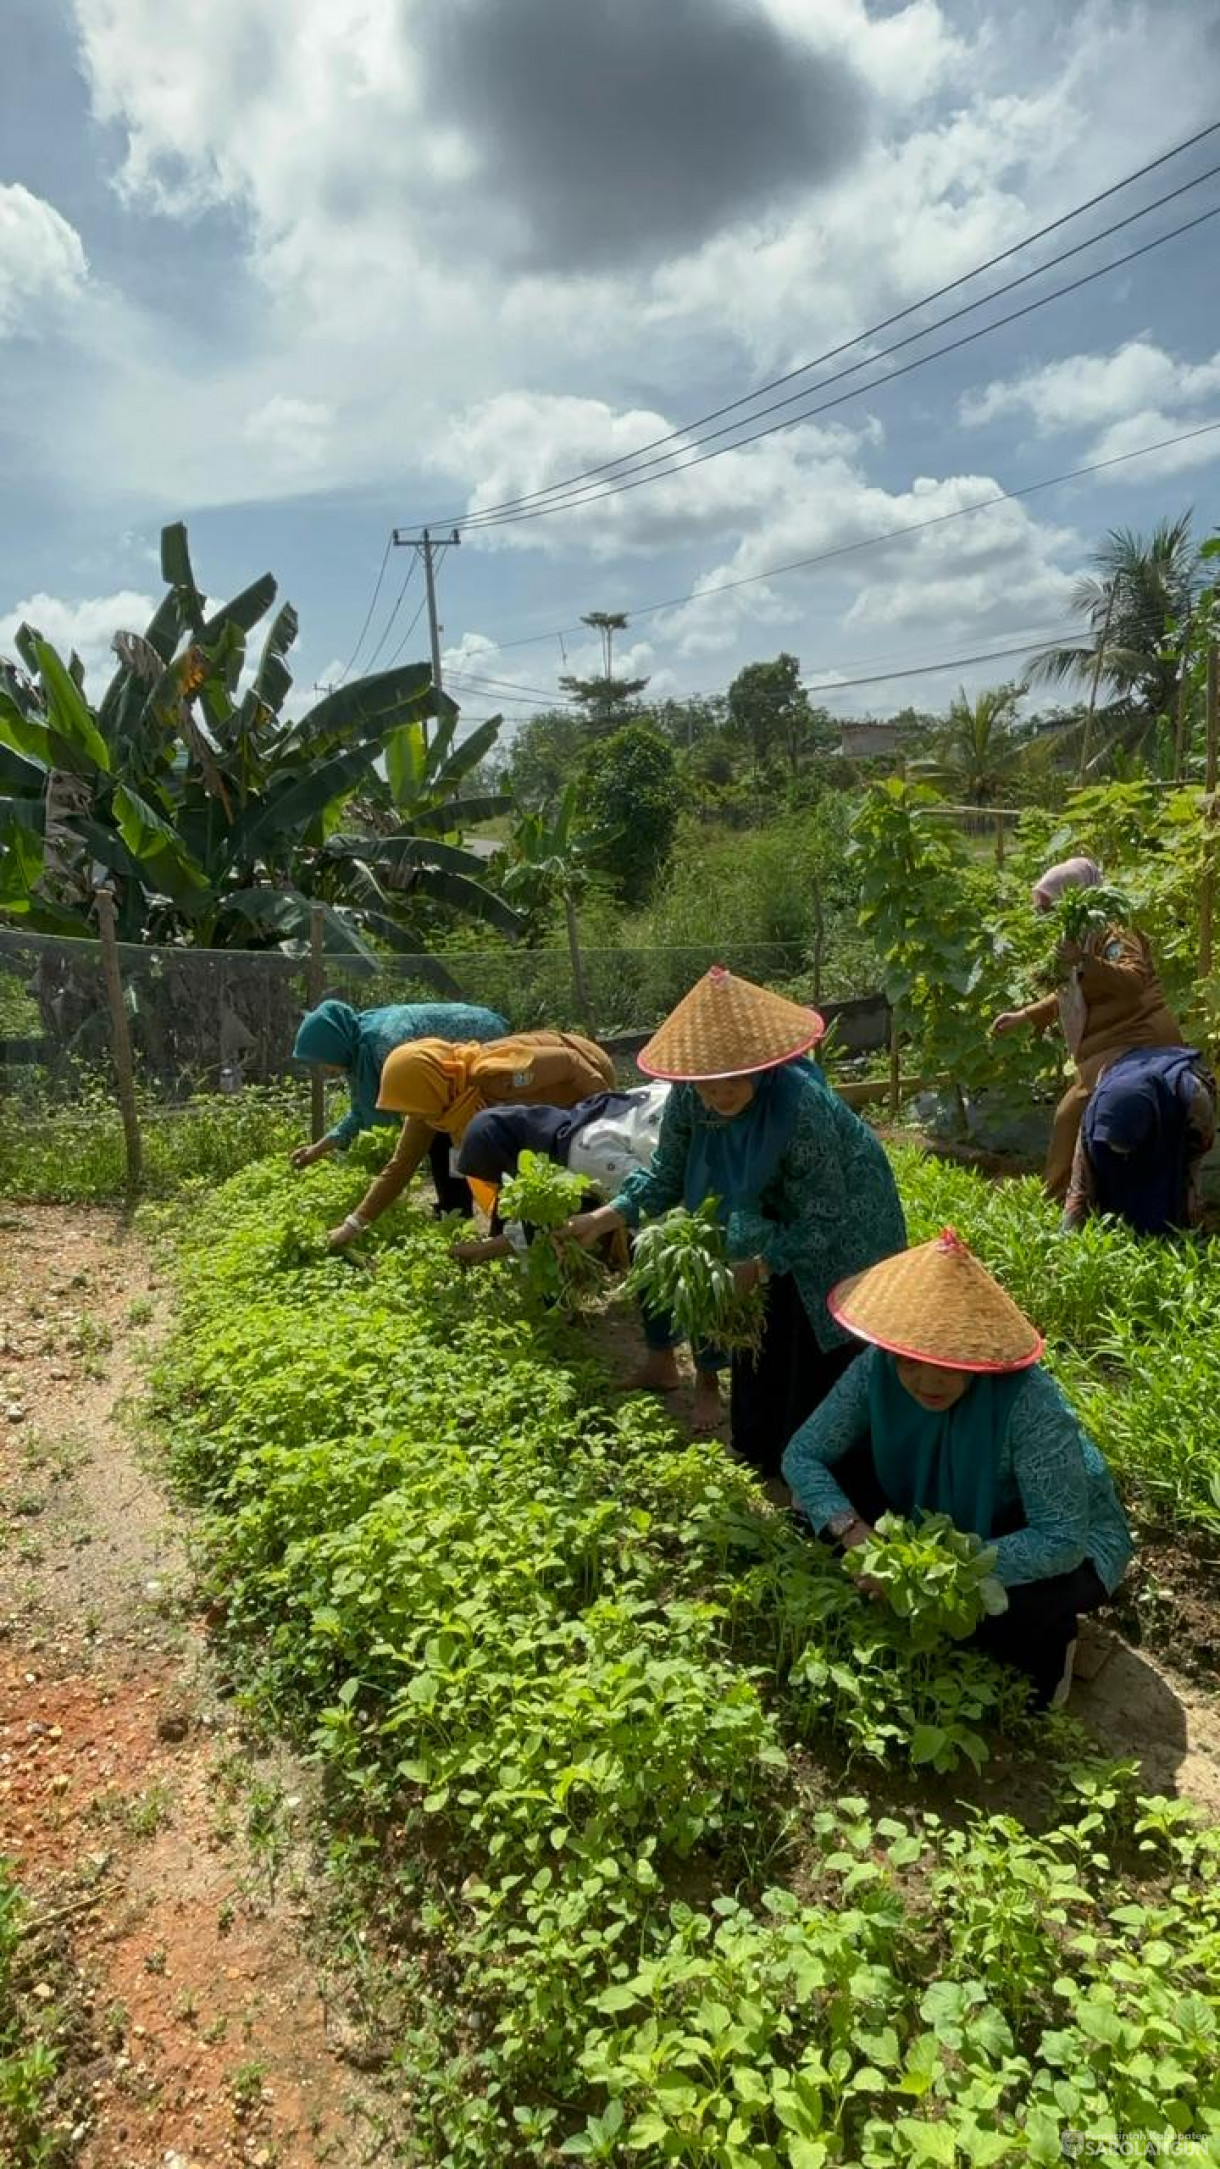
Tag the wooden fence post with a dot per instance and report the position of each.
(1207, 886)
(120, 1038)
(999, 841)
(314, 983)
(895, 1066)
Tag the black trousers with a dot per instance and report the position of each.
(452, 1193)
(1042, 1617)
(771, 1398)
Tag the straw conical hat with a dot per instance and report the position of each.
(937, 1304)
(728, 1027)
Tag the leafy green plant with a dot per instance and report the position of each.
(938, 1579)
(580, 1701)
(542, 1196)
(680, 1269)
(217, 817)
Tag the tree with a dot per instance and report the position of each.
(217, 819)
(771, 711)
(547, 861)
(979, 752)
(604, 701)
(631, 797)
(544, 756)
(1136, 604)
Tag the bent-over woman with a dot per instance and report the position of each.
(949, 1412)
(354, 1043)
(603, 1139)
(1149, 1124)
(1110, 1000)
(439, 1086)
(804, 1188)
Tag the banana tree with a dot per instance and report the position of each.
(212, 813)
(547, 863)
(217, 818)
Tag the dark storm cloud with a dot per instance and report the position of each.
(622, 129)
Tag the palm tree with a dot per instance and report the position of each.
(1134, 604)
(979, 750)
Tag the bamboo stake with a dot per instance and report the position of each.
(999, 841)
(120, 1038)
(895, 1066)
(314, 982)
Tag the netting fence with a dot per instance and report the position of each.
(213, 1027)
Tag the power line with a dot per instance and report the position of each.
(407, 635)
(389, 623)
(687, 430)
(890, 534)
(368, 615)
(670, 469)
(1037, 637)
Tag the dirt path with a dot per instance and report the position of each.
(167, 1868)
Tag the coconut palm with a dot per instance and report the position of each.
(1133, 605)
(979, 752)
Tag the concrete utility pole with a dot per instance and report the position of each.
(425, 547)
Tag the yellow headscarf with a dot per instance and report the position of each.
(431, 1078)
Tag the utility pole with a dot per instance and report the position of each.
(425, 547)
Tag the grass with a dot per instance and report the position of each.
(625, 1780)
(29, 2061)
(73, 1153)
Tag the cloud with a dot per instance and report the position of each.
(88, 627)
(519, 443)
(984, 574)
(42, 259)
(1138, 394)
(293, 432)
(616, 131)
(1090, 389)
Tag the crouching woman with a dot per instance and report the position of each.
(950, 1412)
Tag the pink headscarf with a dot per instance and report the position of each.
(1079, 873)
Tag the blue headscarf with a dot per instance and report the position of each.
(1135, 1134)
(733, 1158)
(330, 1033)
(940, 1461)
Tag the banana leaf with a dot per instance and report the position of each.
(158, 849)
(68, 713)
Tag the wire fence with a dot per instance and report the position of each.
(168, 1031)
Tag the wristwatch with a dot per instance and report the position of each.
(840, 1523)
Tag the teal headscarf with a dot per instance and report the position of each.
(330, 1033)
(733, 1158)
(940, 1461)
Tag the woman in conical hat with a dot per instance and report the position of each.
(950, 1412)
(804, 1188)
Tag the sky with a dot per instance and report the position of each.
(302, 271)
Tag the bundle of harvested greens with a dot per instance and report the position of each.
(1073, 919)
(681, 1270)
(542, 1196)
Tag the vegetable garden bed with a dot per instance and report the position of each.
(619, 1750)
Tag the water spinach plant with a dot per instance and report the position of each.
(680, 1269)
(598, 1727)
